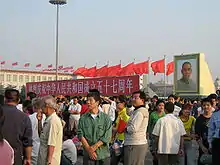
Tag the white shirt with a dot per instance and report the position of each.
(19, 107)
(169, 129)
(35, 136)
(69, 150)
(100, 108)
(112, 109)
(176, 111)
(75, 107)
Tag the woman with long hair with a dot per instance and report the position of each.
(6, 151)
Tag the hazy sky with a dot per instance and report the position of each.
(100, 30)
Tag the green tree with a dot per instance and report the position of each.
(23, 92)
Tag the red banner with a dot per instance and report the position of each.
(108, 86)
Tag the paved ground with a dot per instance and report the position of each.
(149, 157)
(148, 160)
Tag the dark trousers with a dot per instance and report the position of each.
(216, 151)
(88, 161)
(65, 160)
(115, 159)
(168, 159)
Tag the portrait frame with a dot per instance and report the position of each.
(184, 58)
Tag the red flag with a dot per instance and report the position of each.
(127, 70)
(79, 71)
(50, 66)
(38, 65)
(3, 63)
(114, 70)
(141, 68)
(27, 65)
(158, 66)
(15, 64)
(170, 68)
(103, 71)
(91, 72)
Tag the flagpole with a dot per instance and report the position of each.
(165, 88)
(148, 75)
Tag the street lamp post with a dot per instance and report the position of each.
(57, 3)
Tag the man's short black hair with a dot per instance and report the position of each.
(12, 95)
(76, 97)
(207, 100)
(169, 107)
(95, 94)
(171, 96)
(160, 101)
(32, 95)
(155, 97)
(212, 96)
(122, 99)
(142, 95)
(176, 97)
(187, 63)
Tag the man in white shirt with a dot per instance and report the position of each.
(112, 107)
(177, 109)
(169, 132)
(74, 110)
(37, 120)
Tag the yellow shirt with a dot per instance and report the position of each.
(123, 116)
(189, 126)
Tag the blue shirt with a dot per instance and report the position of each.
(214, 127)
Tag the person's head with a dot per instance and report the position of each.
(138, 98)
(27, 106)
(207, 105)
(186, 109)
(49, 105)
(213, 98)
(1, 123)
(177, 98)
(31, 95)
(155, 99)
(37, 105)
(160, 105)
(67, 135)
(121, 102)
(75, 100)
(12, 96)
(93, 100)
(171, 99)
(169, 107)
(186, 70)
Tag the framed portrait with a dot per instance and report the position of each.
(186, 74)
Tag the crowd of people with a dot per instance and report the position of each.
(54, 130)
